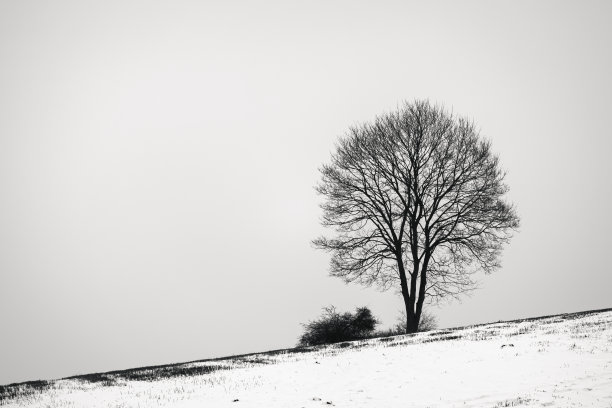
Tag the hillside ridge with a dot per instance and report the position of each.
(553, 360)
(91, 377)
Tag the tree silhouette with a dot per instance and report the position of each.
(416, 201)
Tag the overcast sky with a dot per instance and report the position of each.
(158, 159)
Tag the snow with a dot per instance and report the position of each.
(559, 361)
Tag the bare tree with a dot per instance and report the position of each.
(416, 201)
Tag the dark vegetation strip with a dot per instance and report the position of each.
(11, 391)
(563, 316)
(148, 373)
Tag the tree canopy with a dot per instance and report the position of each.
(416, 200)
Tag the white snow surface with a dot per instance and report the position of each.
(558, 361)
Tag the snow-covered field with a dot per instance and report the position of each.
(559, 361)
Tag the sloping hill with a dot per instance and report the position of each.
(556, 361)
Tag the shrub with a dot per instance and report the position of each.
(333, 327)
(428, 322)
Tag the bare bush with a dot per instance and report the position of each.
(333, 327)
(428, 322)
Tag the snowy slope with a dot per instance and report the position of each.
(558, 361)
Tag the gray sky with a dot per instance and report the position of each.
(157, 164)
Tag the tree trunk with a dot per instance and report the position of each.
(412, 321)
(422, 288)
